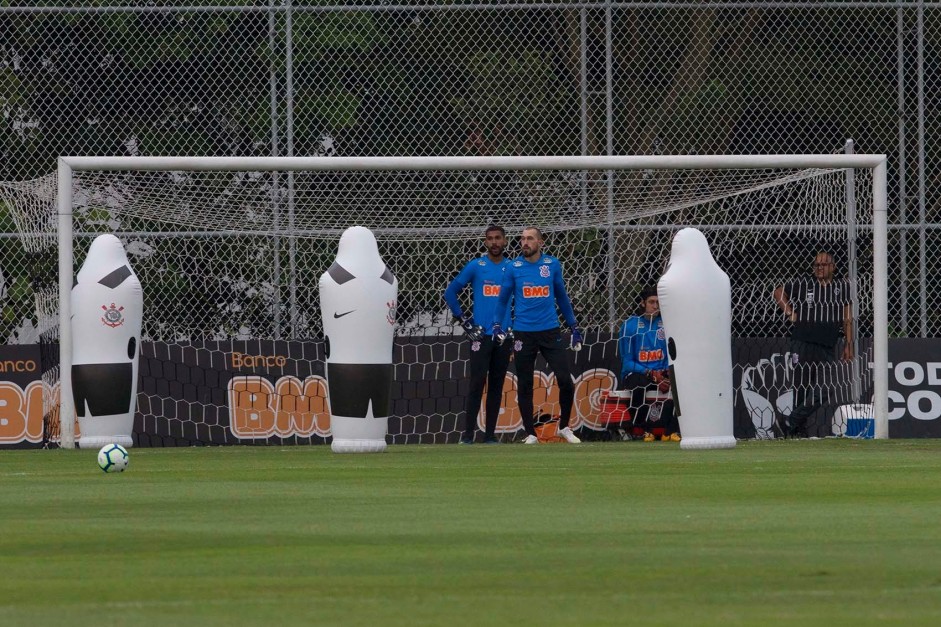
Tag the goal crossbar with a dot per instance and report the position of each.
(615, 162)
(876, 163)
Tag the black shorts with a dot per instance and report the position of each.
(105, 388)
(352, 386)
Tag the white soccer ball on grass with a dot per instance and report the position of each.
(113, 458)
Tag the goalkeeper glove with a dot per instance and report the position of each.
(577, 340)
(471, 330)
(499, 335)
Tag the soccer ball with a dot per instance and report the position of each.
(113, 458)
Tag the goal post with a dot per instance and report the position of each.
(68, 166)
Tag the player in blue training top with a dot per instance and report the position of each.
(645, 367)
(534, 281)
(488, 361)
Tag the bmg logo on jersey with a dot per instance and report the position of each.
(535, 291)
(491, 290)
(645, 356)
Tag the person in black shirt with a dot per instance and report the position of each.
(819, 308)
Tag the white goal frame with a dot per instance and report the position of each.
(876, 163)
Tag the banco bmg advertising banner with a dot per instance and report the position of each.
(21, 396)
(262, 391)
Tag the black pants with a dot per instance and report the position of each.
(639, 384)
(810, 392)
(488, 365)
(528, 345)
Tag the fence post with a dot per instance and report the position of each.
(922, 262)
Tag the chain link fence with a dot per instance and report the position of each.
(378, 77)
(374, 78)
(489, 78)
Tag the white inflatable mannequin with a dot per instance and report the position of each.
(357, 301)
(107, 311)
(696, 304)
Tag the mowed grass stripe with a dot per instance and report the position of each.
(809, 532)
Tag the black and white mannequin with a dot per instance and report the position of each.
(107, 311)
(358, 300)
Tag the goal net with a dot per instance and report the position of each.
(229, 252)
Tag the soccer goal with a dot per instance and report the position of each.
(229, 250)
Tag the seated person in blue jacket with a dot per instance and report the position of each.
(645, 367)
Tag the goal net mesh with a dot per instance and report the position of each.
(230, 262)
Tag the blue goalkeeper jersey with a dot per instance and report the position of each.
(643, 345)
(485, 278)
(536, 288)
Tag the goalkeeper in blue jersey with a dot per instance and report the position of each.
(534, 282)
(488, 361)
(645, 368)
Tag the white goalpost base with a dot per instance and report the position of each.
(643, 167)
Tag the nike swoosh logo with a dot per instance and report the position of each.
(340, 315)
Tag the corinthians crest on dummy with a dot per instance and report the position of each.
(113, 317)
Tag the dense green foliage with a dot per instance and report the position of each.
(399, 80)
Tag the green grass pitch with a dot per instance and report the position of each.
(784, 533)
